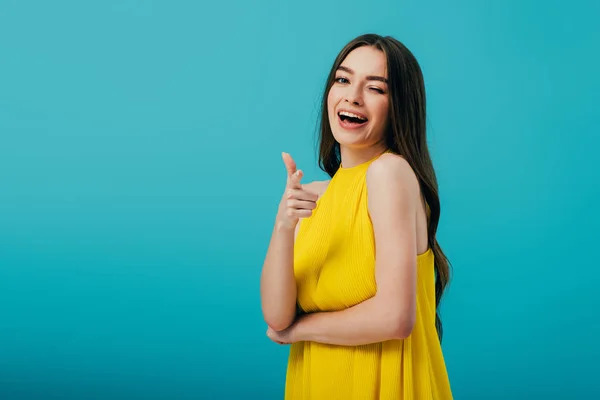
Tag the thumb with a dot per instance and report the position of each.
(293, 180)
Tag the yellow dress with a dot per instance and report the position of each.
(334, 266)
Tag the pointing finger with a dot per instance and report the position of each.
(290, 164)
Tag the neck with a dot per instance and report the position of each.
(352, 157)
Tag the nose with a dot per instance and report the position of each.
(353, 95)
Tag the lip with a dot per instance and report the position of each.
(353, 112)
(348, 126)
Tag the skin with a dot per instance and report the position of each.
(397, 213)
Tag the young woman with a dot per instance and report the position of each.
(354, 274)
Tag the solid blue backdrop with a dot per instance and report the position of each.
(140, 172)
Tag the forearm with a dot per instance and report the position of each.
(367, 322)
(277, 284)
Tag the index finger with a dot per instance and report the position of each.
(290, 164)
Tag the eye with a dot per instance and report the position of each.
(341, 80)
(376, 89)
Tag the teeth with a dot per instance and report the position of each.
(349, 114)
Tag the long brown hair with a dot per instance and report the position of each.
(406, 136)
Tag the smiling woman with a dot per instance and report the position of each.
(354, 274)
(358, 103)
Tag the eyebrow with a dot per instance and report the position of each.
(369, 78)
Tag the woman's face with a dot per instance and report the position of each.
(357, 102)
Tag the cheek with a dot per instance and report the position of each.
(382, 111)
(331, 100)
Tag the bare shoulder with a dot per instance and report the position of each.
(395, 204)
(317, 187)
(392, 170)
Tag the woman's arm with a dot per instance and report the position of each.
(390, 314)
(277, 282)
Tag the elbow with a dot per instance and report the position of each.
(277, 318)
(402, 325)
(278, 326)
(279, 323)
(403, 330)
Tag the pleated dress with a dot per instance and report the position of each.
(334, 266)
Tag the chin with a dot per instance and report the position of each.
(349, 139)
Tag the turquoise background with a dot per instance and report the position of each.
(140, 172)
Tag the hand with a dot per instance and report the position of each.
(297, 202)
(286, 336)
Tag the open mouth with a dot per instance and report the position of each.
(351, 119)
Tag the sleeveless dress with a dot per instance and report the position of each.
(334, 266)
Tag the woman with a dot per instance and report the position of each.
(354, 273)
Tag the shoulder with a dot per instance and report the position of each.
(392, 189)
(394, 172)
